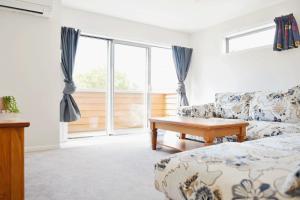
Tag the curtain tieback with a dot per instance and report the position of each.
(181, 88)
(69, 87)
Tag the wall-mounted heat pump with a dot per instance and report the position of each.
(35, 7)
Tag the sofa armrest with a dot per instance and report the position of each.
(199, 111)
(184, 111)
(204, 111)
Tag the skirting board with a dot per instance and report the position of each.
(41, 148)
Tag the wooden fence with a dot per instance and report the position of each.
(128, 110)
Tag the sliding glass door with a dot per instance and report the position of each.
(120, 85)
(90, 76)
(163, 90)
(129, 86)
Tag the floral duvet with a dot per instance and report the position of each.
(267, 168)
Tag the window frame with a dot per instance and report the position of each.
(247, 32)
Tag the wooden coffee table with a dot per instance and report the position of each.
(209, 129)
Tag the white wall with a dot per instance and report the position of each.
(30, 71)
(111, 27)
(257, 69)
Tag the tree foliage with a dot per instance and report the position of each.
(97, 78)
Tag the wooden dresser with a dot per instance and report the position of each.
(12, 159)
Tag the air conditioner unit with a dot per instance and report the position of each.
(35, 7)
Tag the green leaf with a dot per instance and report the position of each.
(10, 104)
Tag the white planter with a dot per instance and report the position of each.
(9, 116)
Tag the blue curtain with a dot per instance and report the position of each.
(68, 108)
(182, 58)
(287, 33)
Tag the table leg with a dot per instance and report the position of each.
(182, 136)
(153, 136)
(242, 135)
(208, 140)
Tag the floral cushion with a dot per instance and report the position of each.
(292, 183)
(200, 111)
(276, 106)
(251, 170)
(294, 90)
(203, 111)
(261, 129)
(184, 111)
(233, 105)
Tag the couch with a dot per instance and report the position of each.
(263, 167)
(267, 168)
(268, 113)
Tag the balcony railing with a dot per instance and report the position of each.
(128, 113)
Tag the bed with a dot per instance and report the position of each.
(267, 168)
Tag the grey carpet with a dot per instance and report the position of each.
(113, 168)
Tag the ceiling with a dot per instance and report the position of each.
(181, 15)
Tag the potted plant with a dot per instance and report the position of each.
(9, 108)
